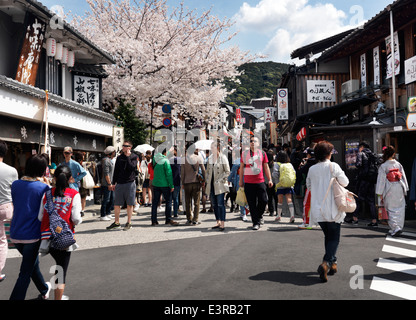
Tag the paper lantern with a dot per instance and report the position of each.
(65, 52)
(71, 59)
(59, 51)
(301, 135)
(50, 47)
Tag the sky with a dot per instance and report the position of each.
(271, 28)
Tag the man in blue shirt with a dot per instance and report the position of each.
(78, 172)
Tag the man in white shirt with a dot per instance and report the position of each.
(8, 174)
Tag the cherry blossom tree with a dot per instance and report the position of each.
(163, 54)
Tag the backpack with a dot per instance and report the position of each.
(374, 162)
(61, 234)
(287, 176)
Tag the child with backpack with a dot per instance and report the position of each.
(284, 176)
(67, 203)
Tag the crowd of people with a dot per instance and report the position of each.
(268, 176)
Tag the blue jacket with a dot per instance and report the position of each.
(27, 197)
(77, 171)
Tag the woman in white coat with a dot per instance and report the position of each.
(392, 187)
(218, 170)
(326, 213)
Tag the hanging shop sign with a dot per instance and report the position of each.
(282, 104)
(269, 114)
(31, 50)
(321, 91)
(410, 70)
(87, 91)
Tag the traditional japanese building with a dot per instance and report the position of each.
(346, 91)
(50, 78)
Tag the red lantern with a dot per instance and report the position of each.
(301, 135)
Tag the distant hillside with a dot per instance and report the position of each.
(259, 79)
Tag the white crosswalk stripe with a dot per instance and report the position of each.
(392, 287)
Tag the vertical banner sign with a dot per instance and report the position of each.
(269, 115)
(376, 63)
(393, 57)
(118, 138)
(282, 104)
(363, 66)
(31, 50)
(238, 115)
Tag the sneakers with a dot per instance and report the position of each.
(114, 226)
(372, 224)
(105, 218)
(127, 226)
(256, 227)
(2, 277)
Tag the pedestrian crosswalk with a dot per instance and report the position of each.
(396, 247)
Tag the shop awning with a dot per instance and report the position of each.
(326, 115)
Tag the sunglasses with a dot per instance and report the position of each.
(66, 152)
(126, 146)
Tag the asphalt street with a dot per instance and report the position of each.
(196, 263)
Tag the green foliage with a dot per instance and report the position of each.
(134, 128)
(259, 79)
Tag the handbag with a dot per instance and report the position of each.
(88, 181)
(344, 199)
(62, 236)
(241, 198)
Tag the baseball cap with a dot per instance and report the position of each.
(109, 150)
(68, 149)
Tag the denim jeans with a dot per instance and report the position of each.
(107, 201)
(218, 205)
(332, 232)
(29, 269)
(175, 198)
(167, 195)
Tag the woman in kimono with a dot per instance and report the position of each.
(392, 187)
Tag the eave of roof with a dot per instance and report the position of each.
(44, 10)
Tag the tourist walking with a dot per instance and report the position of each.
(124, 185)
(190, 170)
(107, 192)
(284, 178)
(324, 210)
(392, 187)
(28, 194)
(67, 203)
(8, 175)
(217, 174)
(162, 184)
(253, 162)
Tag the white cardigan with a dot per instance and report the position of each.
(317, 181)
